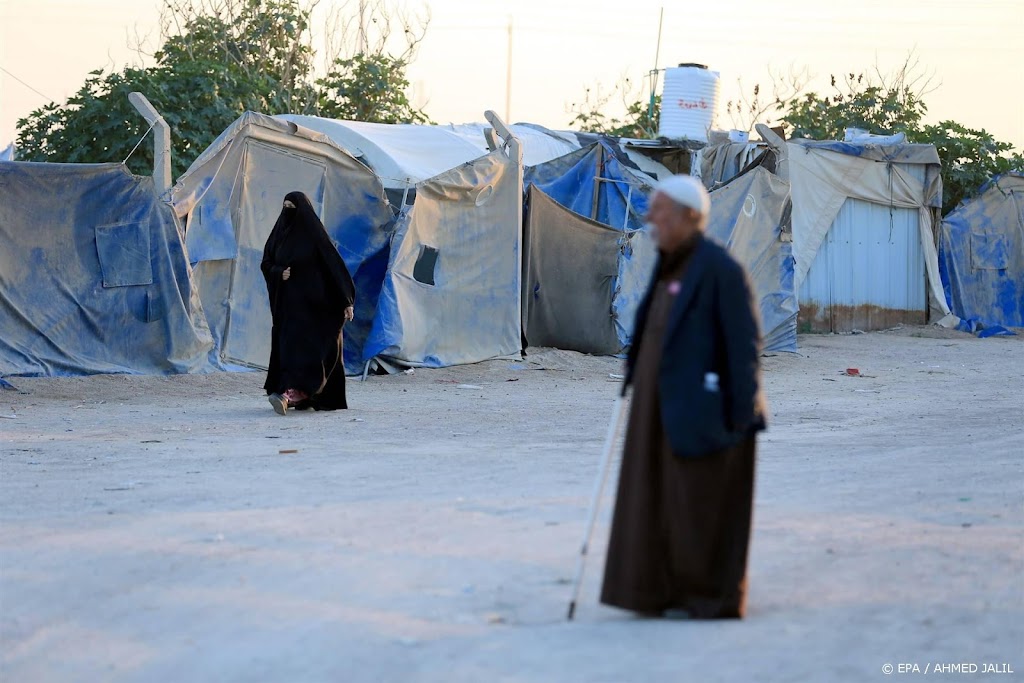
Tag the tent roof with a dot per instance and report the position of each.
(1012, 181)
(193, 183)
(400, 154)
(539, 143)
(904, 153)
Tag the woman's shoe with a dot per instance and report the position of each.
(279, 402)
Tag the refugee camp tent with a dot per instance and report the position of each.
(451, 289)
(93, 275)
(232, 195)
(981, 256)
(588, 257)
(864, 234)
(750, 215)
(451, 294)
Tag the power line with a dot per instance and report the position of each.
(48, 99)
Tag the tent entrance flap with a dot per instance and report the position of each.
(247, 333)
(570, 279)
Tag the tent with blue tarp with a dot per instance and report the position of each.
(452, 287)
(232, 195)
(590, 258)
(451, 277)
(981, 257)
(94, 277)
(750, 216)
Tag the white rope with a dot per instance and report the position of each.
(140, 140)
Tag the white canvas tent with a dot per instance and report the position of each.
(450, 293)
(452, 290)
(231, 196)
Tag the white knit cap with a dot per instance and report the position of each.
(686, 191)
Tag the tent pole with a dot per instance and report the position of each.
(629, 200)
(161, 141)
(405, 194)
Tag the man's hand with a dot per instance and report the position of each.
(350, 313)
(287, 273)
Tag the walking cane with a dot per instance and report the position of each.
(606, 459)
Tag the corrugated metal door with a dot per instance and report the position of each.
(869, 273)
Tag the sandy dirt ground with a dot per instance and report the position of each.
(176, 529)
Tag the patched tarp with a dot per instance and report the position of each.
(748, 215)
(452, 291)
(596, 183)
(823, 175)
(232, 195)
(723, 161)
(981, 255)
(572, 276)
(94, 276)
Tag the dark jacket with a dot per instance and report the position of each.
(713, 328)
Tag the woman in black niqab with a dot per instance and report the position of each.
(311, 298)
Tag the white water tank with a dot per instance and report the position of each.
(689, 102)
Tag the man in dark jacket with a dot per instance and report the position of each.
(681, 528)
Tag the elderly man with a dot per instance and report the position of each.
(681, 528)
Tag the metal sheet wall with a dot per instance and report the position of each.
(869, 273)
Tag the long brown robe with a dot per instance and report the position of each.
(681, 527)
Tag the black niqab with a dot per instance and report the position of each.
(308, 309)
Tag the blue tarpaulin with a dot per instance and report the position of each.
(93, 275)
(574, 179)
(981, 257)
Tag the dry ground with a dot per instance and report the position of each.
(156, 529)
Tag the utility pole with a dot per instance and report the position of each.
(654, 71)
(508, 76)
(362, 27)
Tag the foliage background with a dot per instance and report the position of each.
(220, 58)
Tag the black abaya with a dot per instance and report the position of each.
(308, 308)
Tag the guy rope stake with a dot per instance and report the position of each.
(595, 501)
